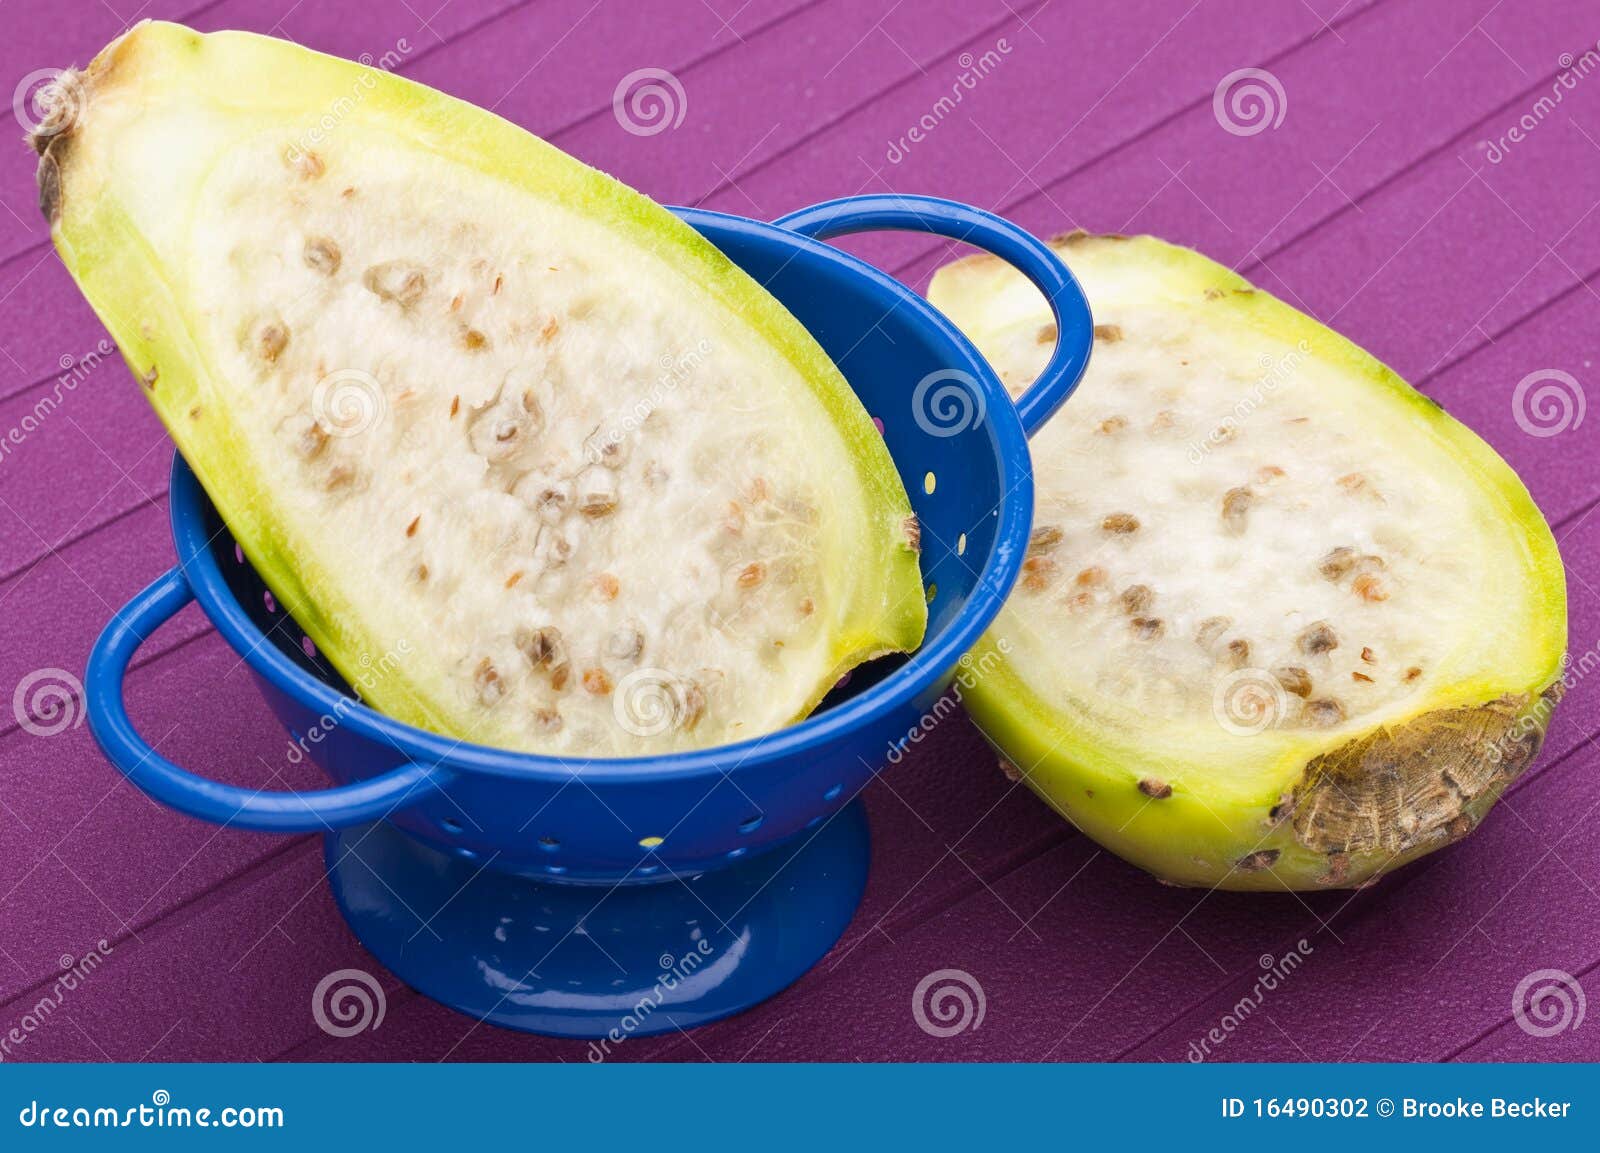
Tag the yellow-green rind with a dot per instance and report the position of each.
(1291, 822)
(242, 76)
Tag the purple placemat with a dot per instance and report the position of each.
(1423, 189)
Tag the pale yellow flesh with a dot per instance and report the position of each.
(534, 466)
(1201, 390)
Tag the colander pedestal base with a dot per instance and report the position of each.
(595, 960)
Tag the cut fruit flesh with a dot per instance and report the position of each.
(1283, 621)
(531, 461)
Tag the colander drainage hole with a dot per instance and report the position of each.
(648, 870)
(833, 793)
(450, 825)
(549, 844)
(650, 842)
(735, 854)
(751, 824)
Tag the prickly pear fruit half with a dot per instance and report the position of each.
(530, 460)
(1283, 623)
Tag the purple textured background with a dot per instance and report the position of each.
(1375, 204)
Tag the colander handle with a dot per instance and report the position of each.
(313, 812)
(956, 221)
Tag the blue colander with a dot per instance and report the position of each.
(618, 897)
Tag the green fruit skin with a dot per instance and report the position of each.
(100, 230)
(1246, 839)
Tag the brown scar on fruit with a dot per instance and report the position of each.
(1120, 523)
(1155, 788)
(1047, 334)
(1112, 425)
(1108, 333)
(1258, 860)
(912, 528)
(411, 529)
(1422, 783)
